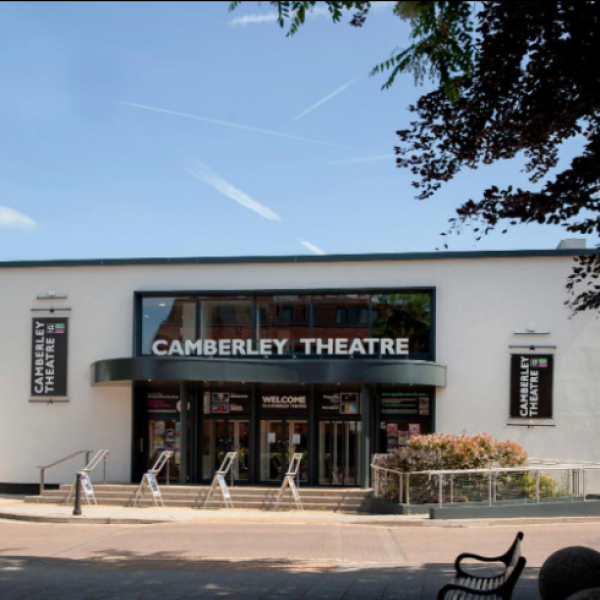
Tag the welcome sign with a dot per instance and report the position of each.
(268, 347)
(49, 358)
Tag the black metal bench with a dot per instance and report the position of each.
(467, 586)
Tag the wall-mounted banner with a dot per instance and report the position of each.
(266, 347)
(49, 358)
(531, 386)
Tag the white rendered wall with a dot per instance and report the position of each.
(480, 302)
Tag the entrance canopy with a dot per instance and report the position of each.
(411, 372)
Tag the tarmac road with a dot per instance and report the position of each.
(257, 560)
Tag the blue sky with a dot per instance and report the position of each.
(180, 129)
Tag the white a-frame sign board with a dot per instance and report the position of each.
(150, 482)
(86, 483)
(288, 482)
(219, 481)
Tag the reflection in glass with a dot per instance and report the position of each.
(208, 449)
(271, 451)
(167, 319)
(341, 316)
(279, 444)
(298, 444)
(226, 318)
(404, 316)
(339, 452)
(283, 317)
(220, 437)
(165, 435)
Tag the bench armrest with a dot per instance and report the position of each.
(461, 572)
(505, 558)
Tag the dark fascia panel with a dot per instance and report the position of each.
(125, 370)
(328, 258)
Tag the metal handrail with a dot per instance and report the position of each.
(565, 467)
(58, 462)
(576, 479)
(376, 475)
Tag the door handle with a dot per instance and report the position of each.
(141, 444)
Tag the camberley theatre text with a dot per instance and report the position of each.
(340, 346)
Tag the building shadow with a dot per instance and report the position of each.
(119, 575)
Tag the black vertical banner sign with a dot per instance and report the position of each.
(531, 386)
(49, 358)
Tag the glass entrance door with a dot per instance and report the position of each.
(298, 444)
(279, 440)
(339, 452)
(220, 436)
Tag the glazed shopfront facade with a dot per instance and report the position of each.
(334, 375)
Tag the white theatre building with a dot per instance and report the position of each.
(335, 357)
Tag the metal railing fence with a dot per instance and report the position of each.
(532, 484)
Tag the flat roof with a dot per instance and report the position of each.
(327, 258)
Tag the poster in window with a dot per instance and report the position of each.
(349, 403)
(414, 429)
(531, 386)
(403, 436)
(49, 358)
(220, 403)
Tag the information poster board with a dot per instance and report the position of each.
(86, 485)
(338, 403)
(405, 403)
(49, 358)
(223, 486)
(153, 484)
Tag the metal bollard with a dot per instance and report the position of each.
(77, 509)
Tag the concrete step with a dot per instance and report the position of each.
(313, 498)
(361, 507)
(110, 497)
(195, 490)
(217, 501)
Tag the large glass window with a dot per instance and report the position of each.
(225, 318)
(401, 314)
(167, 319)
(283, 317)
(341, 316)
(404, 315)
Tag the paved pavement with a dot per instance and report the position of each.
(266, 560)
(11, 508)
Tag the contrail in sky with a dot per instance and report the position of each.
(205, 174)
(229, 124)
(327, 98)
(312, 247)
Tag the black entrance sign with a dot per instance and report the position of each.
(49, 358)
(531, 386)
(286, 405)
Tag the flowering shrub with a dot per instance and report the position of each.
(444, 451)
